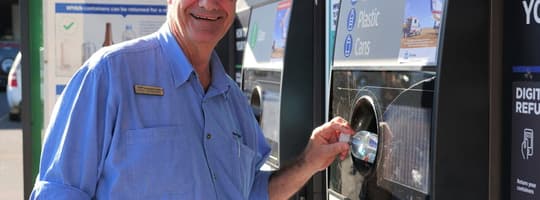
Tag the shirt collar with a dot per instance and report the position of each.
(219, 78)
(180, 66)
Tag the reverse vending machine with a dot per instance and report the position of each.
(279, 74)
(411, 76)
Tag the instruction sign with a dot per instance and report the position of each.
(525, 128)
(81, 28)
(388, 33)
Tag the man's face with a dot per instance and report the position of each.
(201, 21)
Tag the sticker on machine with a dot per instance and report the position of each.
(420, 31)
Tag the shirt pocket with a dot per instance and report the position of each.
(246, 162)
(159, 162)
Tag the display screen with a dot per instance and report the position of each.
(267, 35)
(387, 33)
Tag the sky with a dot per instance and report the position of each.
(420, 9)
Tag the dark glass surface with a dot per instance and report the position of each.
(268, 83)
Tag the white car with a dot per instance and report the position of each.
(13, 89)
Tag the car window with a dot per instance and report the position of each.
(8, 51)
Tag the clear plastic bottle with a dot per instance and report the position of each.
(128, 33)
(364, 146)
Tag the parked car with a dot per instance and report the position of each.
(13, 89)
(8, 51)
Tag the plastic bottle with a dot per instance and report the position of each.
(364, 146)
(128, 33)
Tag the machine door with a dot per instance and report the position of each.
(398, 112)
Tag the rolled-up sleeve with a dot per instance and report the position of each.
(259, 190)
(48, 190)
(260, 186)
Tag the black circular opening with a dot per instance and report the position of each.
(364, 118)
(256, 105)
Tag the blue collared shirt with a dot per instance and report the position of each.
(107, 141)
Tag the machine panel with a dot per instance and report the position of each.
(402, 104)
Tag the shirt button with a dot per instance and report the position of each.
(208, 136)
(215, 178)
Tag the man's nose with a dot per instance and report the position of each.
(209, 4)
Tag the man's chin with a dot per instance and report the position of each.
(206, 37)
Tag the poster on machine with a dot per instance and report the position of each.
(281, 27)
(267, 35)
(420, 31)
(83, 27)
(525, 128)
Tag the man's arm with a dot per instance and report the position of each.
(73, 148)
(322, 149)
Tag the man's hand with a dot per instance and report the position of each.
(324, 145)
(322, 149)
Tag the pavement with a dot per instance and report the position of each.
(11, 159)
(11, 164)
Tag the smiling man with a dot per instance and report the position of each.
(158, 118)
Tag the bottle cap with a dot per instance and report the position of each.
(344, 138)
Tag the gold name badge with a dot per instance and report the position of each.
(148, 90)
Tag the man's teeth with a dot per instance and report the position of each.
(206, 18)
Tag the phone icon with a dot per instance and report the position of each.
(527, 146)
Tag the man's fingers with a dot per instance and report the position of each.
(342, 128)
(338, 119)
(339, 148)
(343, 155)
(334, 127)
(344, 124)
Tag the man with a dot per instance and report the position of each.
(157, 118)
